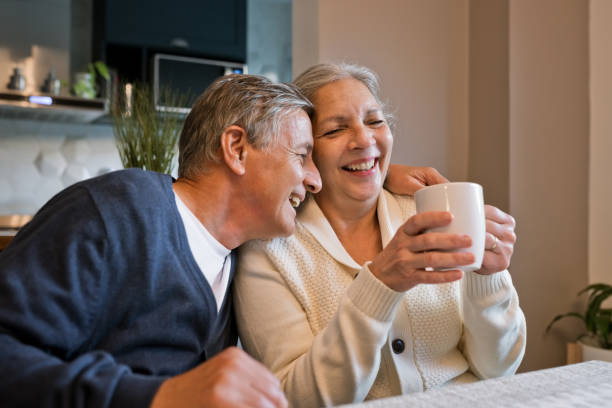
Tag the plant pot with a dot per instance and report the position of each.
(590, 352)
(84, 86)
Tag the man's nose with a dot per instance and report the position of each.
(312, 178)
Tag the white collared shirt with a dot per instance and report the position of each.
(210, 255)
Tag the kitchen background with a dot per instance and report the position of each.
(38, 158)
(513, 94)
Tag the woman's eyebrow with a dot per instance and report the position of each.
(337, 118)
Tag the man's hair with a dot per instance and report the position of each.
(319, 75)
(252, 102)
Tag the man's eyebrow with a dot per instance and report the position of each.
(306, 145)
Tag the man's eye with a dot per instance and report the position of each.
(377, 122)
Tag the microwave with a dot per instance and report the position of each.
(189, 76)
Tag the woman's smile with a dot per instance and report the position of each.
(362, 167)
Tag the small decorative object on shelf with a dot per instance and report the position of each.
(598, 322)
(17, 82)
(84, 85)
(52, 84)
(146, 138)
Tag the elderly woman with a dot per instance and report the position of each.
(345, 309)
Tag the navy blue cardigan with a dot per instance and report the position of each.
(101, 299)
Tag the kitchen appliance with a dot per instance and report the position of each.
(188, 76)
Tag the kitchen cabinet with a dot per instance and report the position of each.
(127, 34)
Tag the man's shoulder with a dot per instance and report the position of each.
(127, 180)
(128, 186)
(130, 196)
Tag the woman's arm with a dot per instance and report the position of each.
(340, 364)
(494, 326)
(494, 335)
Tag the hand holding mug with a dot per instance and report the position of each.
(499, 243)
(415, 256)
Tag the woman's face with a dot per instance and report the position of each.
(352, 141)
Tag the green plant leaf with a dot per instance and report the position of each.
(594, 307)
(102, 69)
(594, 288)
(561, 316)
(603, 326)
(147, 139)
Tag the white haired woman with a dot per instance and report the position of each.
(345, 310)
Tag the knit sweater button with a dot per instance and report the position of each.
(398, 346)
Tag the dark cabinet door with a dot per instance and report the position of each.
(212, 28)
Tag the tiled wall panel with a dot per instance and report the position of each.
(38, 159)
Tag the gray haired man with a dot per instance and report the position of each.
(116, 294)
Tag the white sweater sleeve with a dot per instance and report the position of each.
(340, 364)
(494, 336)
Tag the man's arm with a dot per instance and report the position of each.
(54, 277)
(406, 180)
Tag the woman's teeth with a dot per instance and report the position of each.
(367, 165)
(295, 201)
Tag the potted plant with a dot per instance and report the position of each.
(84, 85)
(596, 342)
(146, 138)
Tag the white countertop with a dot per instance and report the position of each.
(578, 385)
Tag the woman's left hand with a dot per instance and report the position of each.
(499, 241)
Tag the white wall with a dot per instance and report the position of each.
(549, 148)
(600, 182)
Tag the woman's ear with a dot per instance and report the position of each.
(234, 145)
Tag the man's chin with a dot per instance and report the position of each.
(286, 229)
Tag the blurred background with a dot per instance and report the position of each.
(513, 94)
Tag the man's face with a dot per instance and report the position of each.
(281, 175)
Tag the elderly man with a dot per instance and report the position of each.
(116, 293)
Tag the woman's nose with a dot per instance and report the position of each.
(363, 137)
(312, 178)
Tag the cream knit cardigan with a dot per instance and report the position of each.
(324, 324)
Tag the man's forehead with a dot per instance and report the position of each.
(298, 131)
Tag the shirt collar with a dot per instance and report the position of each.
(313, 219)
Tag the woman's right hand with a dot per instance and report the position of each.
(402, 263)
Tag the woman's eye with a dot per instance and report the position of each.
(331, 132)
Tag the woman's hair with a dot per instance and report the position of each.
(252, 102)
(319, 75)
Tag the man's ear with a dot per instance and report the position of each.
(234, 146)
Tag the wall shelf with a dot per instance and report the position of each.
(38, 106)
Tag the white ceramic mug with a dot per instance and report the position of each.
(465, 202)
